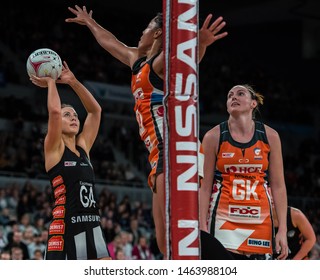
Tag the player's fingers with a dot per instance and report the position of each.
(78, 8)
(216, 23)
(206, 22)
(65, 65)
(220, 36)
(219, 27)
(72, 10)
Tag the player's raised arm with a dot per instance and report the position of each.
(92, 122)
(105, 38)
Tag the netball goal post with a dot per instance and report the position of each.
(181, 128)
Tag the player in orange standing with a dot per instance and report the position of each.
(146, 62)
(241, 157)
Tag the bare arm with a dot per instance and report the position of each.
(92, 122)
(279, 191)
(209, 34)
(209, 144)
(53, 143)
(309, 238)
(105, 38)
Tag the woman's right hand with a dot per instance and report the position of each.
(66, 77)
(42, 82)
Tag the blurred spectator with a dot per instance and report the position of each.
(38, 244)
(39, 225)
(126, 239)
(141, 250)
(13, 194)
(3, 239)
(5, 216)
(28, 235)
(114, 245)
(119, 255)
(3, 199)
(5, 255)
(134, 230)
(24, 205)
(26, 222)
(18, 243)
(10, 229)
(17, 253)
(38, 255)
(124, 212)
(108, 228)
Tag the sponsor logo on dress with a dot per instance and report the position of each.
(258, 242)
(70, 163)
(59, 191)
(243, 168)
(60, 200)
(241, 211)
(227, 155)
(57, 227)
(58, 212)
(85, 219)
(55, 243)
(57, 181)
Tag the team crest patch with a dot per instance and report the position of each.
(257, 151)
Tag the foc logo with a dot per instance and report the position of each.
(244, 211)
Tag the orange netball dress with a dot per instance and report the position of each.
(147, 89)
(240, 206)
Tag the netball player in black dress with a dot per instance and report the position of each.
(75, 231)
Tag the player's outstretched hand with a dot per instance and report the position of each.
(82, 16)
(209, 33)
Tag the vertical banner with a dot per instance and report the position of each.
(181, 128)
